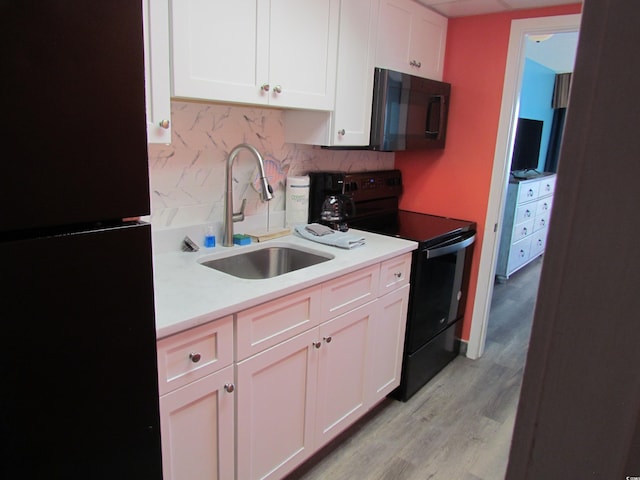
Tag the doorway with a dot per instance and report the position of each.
(501, 165)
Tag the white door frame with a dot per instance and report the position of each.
(500, 174)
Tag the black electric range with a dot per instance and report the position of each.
(439, 269)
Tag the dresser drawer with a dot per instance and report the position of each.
(394, 273)
(190, 355)
(266, 325)
(522, 230)
(525, 212)
(350, 291)
(528, 192)
(544, 205)
(541, 221)
(519, 254)
(538, 242)
(547, 186)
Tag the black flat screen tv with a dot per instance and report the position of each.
(526, 148)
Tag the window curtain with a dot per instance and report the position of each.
(559, 102)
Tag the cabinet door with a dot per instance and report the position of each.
(356, 62)
(411, 39)
(394, 35)
(156, 70)
(428, 41)
(387, 332)
(276, 402)
(303, 44)
(220, 49)
(197, 426)
(350, 122)
(342, 371)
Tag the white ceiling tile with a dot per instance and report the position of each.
(465, 8)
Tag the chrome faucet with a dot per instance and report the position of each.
(229, 215)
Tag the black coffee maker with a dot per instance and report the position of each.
(328, 204)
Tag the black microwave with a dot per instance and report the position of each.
(409, 112)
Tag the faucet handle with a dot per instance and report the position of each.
(239, 216)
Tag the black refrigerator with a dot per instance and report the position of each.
(78, 367)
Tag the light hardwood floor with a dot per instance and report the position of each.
(457, 427)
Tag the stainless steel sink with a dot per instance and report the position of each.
(266, 262)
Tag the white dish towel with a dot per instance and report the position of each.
(323, 234)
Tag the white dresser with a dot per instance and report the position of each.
(525, 222)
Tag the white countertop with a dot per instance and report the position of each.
(188, 294)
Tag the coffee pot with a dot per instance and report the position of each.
(333, 212)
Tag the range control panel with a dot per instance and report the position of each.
(373, 185)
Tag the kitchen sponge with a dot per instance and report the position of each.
(241, 239)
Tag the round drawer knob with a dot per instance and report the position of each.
(195, 357)
(327, 339)
(398, 274)
(317, 344)
(341, 132)
(164, 124)
(229, 387)
(265, 87)
(277, 89)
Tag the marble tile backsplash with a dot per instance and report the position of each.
(187, 177)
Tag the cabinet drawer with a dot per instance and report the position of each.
(538, 242)
(544, 205)
(525, 212)
(547, 186)
(541, 221)
(350, 291)
(187, 356)
(266, 325)
(519, 254)
(528, 191)
(522, 230)
(394, 273)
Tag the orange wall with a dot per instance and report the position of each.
(455, 182)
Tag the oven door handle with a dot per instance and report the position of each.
(451, 247)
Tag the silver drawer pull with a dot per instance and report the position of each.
(398, 274)
(327, 339)
(195, 357)
(229, 387)
(317, 344)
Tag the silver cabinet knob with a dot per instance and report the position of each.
(398, 274)
(265, 87)
(341, 132)
(415, 63)
(317, 344)
(277, 89)
(195, 357)
(164, 123)
(327, 339)
(229, 387)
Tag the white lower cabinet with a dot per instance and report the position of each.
(307, 366)
(296, 396)
(197, 402)
(342, 371)
(387, 342)
(276, 404)
(197, 429)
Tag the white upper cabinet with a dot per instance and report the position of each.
(350, 122)
(266, 52)
(411, 39)
(156, 70)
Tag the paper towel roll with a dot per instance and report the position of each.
(297, 200)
